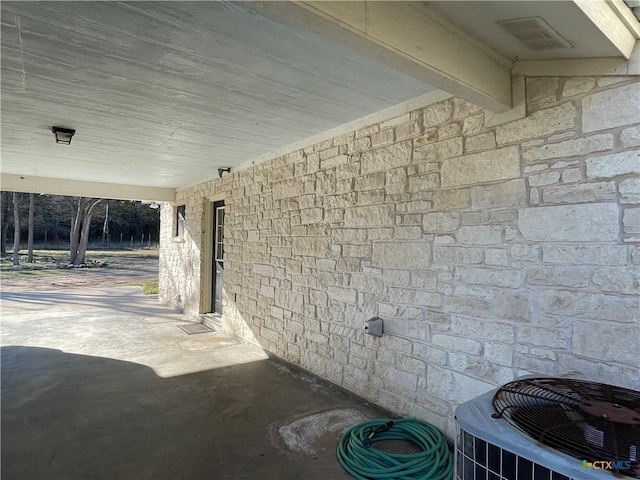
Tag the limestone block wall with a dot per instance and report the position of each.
(489, 252)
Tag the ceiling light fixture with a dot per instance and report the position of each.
(63, 135)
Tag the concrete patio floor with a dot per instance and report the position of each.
(101, 384)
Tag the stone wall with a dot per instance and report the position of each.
(489, 252)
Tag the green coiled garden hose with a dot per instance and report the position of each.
(359, 457)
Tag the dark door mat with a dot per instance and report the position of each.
(194, 328)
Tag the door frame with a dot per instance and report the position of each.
(206, 268)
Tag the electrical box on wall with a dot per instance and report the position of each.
(374, 326)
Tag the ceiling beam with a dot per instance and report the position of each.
(623, 10)
(412, 38)
(79, 188)
(616, 22)
(578, 67)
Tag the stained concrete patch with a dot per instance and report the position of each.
(208, 341)
(313, 433)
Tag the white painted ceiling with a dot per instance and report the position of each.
(163, 93)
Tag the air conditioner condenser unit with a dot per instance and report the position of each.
(549, 429)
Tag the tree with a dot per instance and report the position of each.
(74, 232)
(105, 227)
(80, 230)
(16, 232)
(5, 219)
(132, 219)
(54, 218)
(32, 202)
(84, 237)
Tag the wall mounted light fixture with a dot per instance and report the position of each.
(223, 170)
(63, 135)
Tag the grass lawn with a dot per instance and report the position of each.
(149, 287)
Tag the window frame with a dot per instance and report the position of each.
(180, 223)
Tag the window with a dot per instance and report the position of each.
(219, 234)
(180, 216)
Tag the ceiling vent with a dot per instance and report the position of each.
(535, 33)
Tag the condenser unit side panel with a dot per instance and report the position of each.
(477, 459)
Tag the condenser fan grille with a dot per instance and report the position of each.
(586, 420)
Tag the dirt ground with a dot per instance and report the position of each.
(104, 268)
